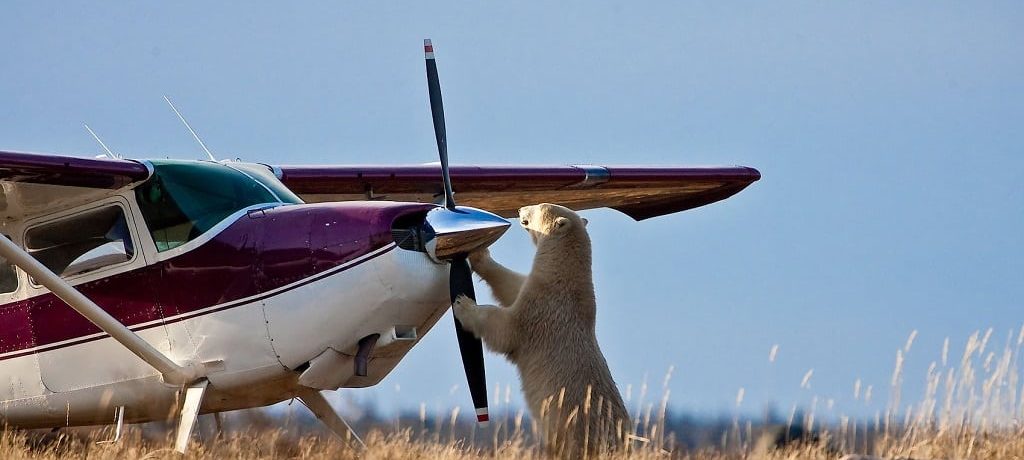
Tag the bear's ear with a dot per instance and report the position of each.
(585, 221)
(561, 223)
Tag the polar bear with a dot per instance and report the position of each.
(545, 326)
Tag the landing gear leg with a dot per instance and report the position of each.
(189, 413)
(323, 411)
(218, 422)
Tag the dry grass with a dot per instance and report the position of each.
(273, 444)
(972, 409)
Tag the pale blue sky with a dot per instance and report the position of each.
(888, 134)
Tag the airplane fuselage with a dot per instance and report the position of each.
(255, 298)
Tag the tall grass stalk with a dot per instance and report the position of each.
(972, 408)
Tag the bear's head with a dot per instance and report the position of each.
(550, 221)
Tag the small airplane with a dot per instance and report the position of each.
(142, 290)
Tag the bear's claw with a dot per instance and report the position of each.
(464, 300)
(462, 307)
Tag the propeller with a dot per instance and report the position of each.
(460, 279)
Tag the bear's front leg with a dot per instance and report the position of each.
(489, 323)
(504, 283)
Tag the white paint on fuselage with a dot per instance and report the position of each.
(402, 288)
(259, 343)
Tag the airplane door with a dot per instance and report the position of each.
(95, 249)
(202, 295)
(19, 367)
(209, 298)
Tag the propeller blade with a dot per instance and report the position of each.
(460, 282)
(437, 111)
(460, 278)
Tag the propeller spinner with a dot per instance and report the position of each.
(459, 230)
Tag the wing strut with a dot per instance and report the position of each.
(172, 372)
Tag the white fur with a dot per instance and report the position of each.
(546, 327)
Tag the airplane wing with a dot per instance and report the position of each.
(33, 183)
(640, 192)
(69, 171)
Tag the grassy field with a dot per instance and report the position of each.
(1002, 444)
(972, 409)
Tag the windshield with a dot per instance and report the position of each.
(262, 174)
(185, 199)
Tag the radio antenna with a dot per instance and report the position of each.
(180, 117)
(94, 136)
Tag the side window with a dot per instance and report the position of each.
(8, 276)
(82, 243)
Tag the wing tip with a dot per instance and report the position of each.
(644, 211)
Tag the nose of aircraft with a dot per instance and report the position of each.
(462, 230)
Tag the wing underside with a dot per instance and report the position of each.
(32, 183)
(638, 191)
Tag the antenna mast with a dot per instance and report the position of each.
(94, 136)
(180, 117)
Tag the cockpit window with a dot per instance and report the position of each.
(183, 200)
(83, 242)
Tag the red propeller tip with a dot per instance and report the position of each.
(428, 48)
(482, 415)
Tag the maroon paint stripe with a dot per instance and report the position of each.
(219, 309)
(424, 178)
(357, 179)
